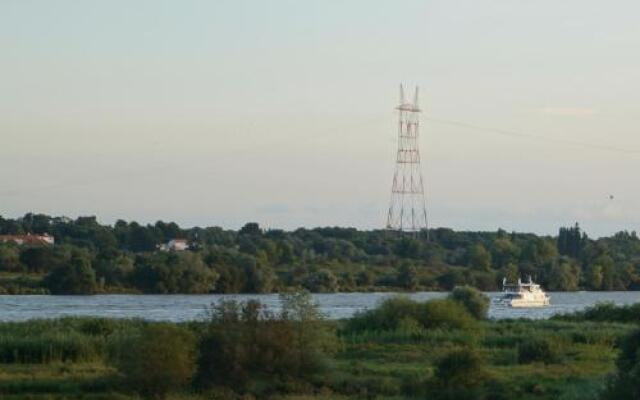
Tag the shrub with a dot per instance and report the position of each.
(244, 342)
(542, 349)
(387, 316)
(606, 312)
(159, 359)
(459, 374)
(445, 314)
(472, 299)
(625, 384)
(401, 313)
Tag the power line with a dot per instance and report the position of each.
(510, 133)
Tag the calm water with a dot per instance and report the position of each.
(192, 307)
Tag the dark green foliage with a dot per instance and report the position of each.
(460, 374)
(479, 257)
(74, 277)
(445, 314)
(244, 343)
(41, 259)
(625, 384)
(262, 358)
(47, 347)
(125, 257)
(156, 360)
(321, 281)
(68, 339)
(608, 312)
(386, 316)
(472, 299)
(183, 272)
(408, 247)
(260, 278)
(10, 259)
(114, 269)
(408, 277)
(251, 229)
(571, 241)
(539, 349)
(564, 275)
(141, 239)
(403, 313)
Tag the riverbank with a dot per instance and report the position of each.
(524, 359)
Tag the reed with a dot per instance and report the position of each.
(66, 339)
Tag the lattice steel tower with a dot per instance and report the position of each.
(408, 209)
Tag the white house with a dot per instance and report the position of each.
(28, 239)
(175, 245)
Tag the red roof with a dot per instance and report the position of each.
(27, 239)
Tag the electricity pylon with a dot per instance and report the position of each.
(408, 208)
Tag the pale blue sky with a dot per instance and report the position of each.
(281, 112)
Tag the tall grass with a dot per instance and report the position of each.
(66, 339)
(605, 312)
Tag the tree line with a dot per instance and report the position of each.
(90, 257)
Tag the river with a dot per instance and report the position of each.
(179, 308)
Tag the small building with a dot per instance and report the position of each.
(175, 245)
(28, 239)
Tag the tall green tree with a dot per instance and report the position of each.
(564, 276)
(10, 259)
(479, 257)
(74, 277)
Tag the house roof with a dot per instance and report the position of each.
(26, 239)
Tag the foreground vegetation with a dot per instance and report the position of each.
(93, 258)
(441, 349)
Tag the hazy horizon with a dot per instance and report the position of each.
(282, 113)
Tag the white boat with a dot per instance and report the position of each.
(523, 295)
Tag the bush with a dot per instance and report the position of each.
(538, 349)
(605, 312)
(159, 359)
(625, 384)
(472, 299)
(402, 313)
(460, 374)
(445, 314)
(387, 316)
(243, 342)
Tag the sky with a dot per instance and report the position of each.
(282, 112)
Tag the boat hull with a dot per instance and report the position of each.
(528, 303)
